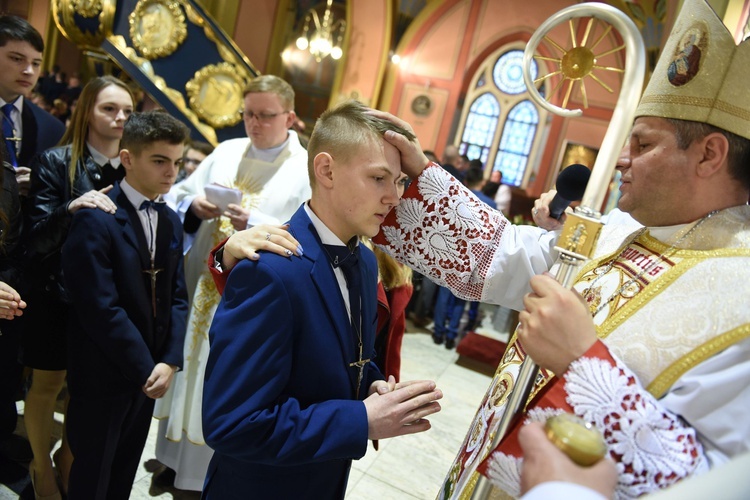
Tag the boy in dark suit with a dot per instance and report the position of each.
(291, 394)
(125, 277)
(21, 48)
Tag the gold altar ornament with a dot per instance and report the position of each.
(215, 94)
(87, 8)
(157, 27)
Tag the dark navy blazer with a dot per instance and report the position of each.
(114, 340)
(41, 131)
(278, 400)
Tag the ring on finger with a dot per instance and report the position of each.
(535, 211)
(268, 236)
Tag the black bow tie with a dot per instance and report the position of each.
(156, 205)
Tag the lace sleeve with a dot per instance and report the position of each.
(446, 233)
(652, 447)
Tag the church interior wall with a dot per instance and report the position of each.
(440, 52)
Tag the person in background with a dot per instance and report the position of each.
(12, 446)
(27, 130)
(21, 48)
(504, 194)
(423, 299)
(655, 348)
(266, 412)
(394, 292)
(269, 169)
(124, 273)
(449, 308)
(66, 179)
(195, 153)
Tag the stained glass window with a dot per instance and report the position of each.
(516, 142)
(479, 130)
(500, 122)
(508, 72)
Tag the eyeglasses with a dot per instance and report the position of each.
(262, 117)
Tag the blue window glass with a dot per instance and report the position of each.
(516, 141)
(480, 127)
(508, 72)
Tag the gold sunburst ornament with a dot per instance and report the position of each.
(579, 62)
(215, 93)
(157, 27)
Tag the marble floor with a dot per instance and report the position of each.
(407, 467)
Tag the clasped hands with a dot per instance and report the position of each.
(395, 409)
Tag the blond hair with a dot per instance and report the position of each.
(342, 130)
(273, 85)
(390, 272)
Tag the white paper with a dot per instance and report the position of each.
(222, 196)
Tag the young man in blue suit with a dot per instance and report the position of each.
(291, 394)
(125, 277)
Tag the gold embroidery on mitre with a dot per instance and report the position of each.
(702, 74)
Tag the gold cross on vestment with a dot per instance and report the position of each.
(360, 364)
(152, 273)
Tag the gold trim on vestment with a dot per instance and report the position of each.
(661, 384)
(687, 260)
(699, 102)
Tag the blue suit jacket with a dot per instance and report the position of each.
(114, 340)
(278, 400)
(41, 131)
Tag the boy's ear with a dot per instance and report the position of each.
(125, 158)
(323, 168)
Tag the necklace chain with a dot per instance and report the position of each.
(587, 293)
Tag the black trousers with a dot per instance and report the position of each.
(107, 437)
(10, 376)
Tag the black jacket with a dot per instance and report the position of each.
(47, 216)
(11, 251)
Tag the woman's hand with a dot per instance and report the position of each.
(245, 244)
(94, 199)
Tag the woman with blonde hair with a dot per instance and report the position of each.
(73, 176)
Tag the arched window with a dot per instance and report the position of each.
(481, 123)
(515, 145)
(500, 124)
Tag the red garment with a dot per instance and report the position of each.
(220, 277)
(391, 315)
(391, 322)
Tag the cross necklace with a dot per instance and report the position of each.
(360, 363)
(356, 326)
(153, 271)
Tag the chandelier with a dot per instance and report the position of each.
(325, 37)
